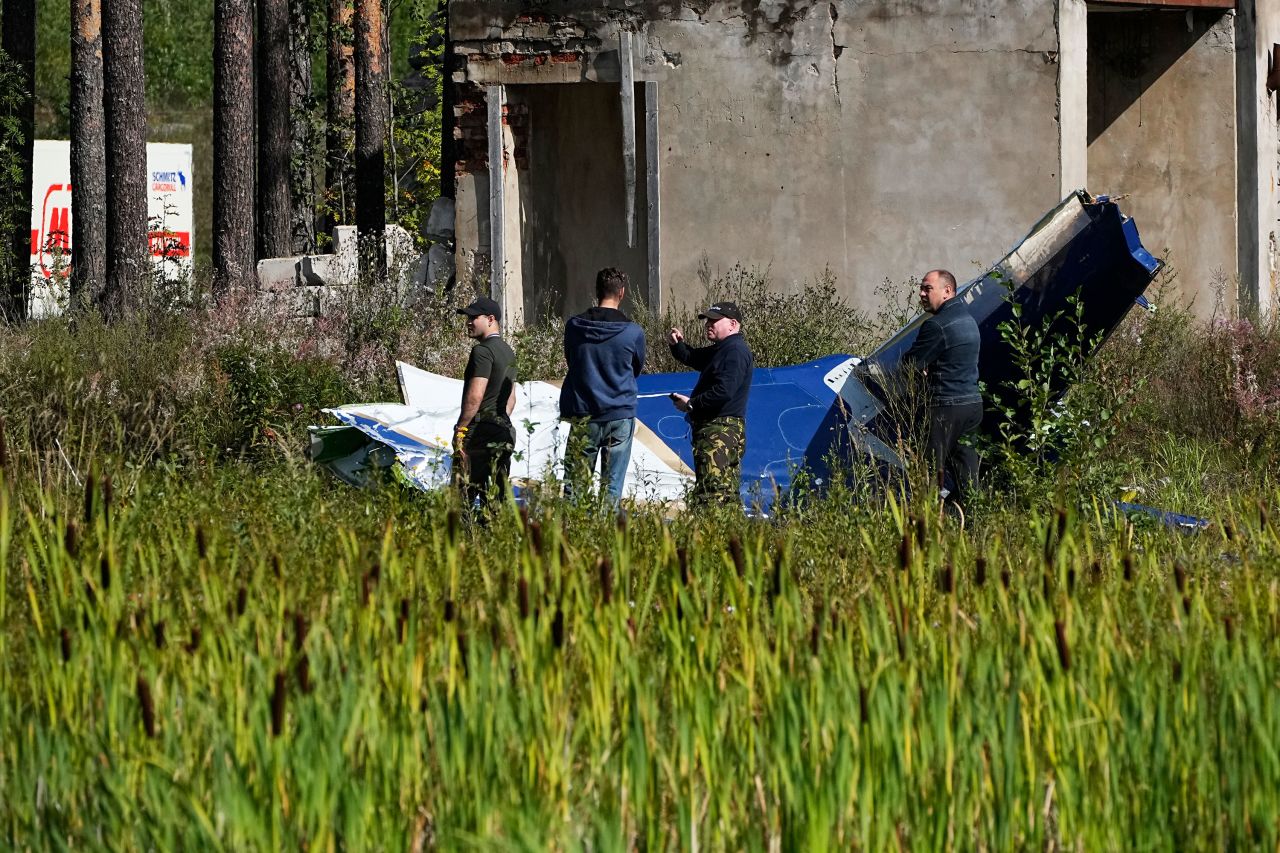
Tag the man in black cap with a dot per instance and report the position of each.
(483, 438)
(717, 408)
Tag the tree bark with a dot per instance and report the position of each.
(19, 41)
(371, 134)
(125, 103)
(233, 234)
(302, 189)
(339, 114)
(88, 157)
(275, 132)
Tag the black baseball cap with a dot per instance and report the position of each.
(481, 306)
(721, 309)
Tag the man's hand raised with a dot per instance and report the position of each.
(675, 335)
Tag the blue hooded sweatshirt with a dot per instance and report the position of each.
(605, 353)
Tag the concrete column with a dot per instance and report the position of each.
(1256, 26)
(1073, 96)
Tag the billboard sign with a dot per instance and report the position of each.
(170, 210)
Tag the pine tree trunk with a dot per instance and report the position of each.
(371, 134)
(302, 188)
(88, 157)
(339, 114)
(124, 88)
(19, 41)
(233, 235)
(275, 131)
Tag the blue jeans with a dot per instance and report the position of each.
(607, 444)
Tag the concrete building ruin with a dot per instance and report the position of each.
(876, 138)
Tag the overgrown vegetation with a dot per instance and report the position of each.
(207, 642)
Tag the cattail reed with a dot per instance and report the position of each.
(277, 568)
(202, 544)
(739, 558)
(157, 634)
(402, 621)
(278, 691)
(557, 629)
(450, 610)
(1071, 581)
(905, 551)
(535, 537)
(604, 567)
(1095, 571)
(108, 496)
(4, 448)
(815, 633)
(775, 581)
(980, 572)
(1264, 517)
(1229, 628)
(193, 644)
(1186, 605)
(242, 600)
(462, 652)
(65, 637)
(522, 597)
(682, 557)
(1005, 579)
(302, 672)
(452, 522)
(1046, 585)
(367, 582)
(1180, 576)
(947, 579)
(621, 522)
(1228, 531)
(300, 629)
(90, 490)
(104, 573)
(862, 703)
(1177, 671)
(1064, 650)
(71, 539)
(146, 706)
(1127, 562)
(922, 530)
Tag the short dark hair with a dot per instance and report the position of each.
(945, 277)
(610, 282)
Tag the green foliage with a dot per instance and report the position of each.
(13, 203)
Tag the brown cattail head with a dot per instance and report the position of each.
(242, 600)
(300, 629)
(157, 633)
(202, 545)
(402, 621)
(302, 671)
(1127, 562)
(739, 558)
(522, 597)
(1046, 582)
(1177, 671)
(775, 581)
(453, 521)
(1095, 571)
(922, 530)
(462, 652)
(278, 692)
(557, 629)
(1064, 650)
(193, 645)
(450, 610)
(682, 557)
(1228, 530)
(905, 551)
(862, 703)
(1264, 516)
(65, 637)
(90, 494)
(604, 567)
(622, 521)
(1229, 628)
(980, 571)
(947, 579)
(1180, 576)
(1005, 579)
(815, 633)
(1071, 580)
(564, 554)
(535, 537)
(108, 496)
(71, 539)
(1062, 522)
(1186, 604)
(146, 706)
(277, 568)
(4, 448)
(104, 573)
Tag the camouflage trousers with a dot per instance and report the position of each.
(718, 445)
(487, 463)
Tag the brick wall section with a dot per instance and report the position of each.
(534, 42)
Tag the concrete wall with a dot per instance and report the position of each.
(1257, 29)
(878, 138)
(1162, 129)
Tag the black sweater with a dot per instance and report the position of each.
(725, 382)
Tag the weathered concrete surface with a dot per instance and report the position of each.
(878, 139)
(1257, 29)
(1162, 125)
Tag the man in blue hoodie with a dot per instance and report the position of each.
(605, 352)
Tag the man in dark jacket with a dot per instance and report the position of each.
(605, 352)
(946, 349)
(483, 438)
(717, 408)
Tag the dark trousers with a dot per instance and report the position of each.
(949, 455)
(488, 446)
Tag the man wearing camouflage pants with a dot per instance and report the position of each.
(717, 408)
